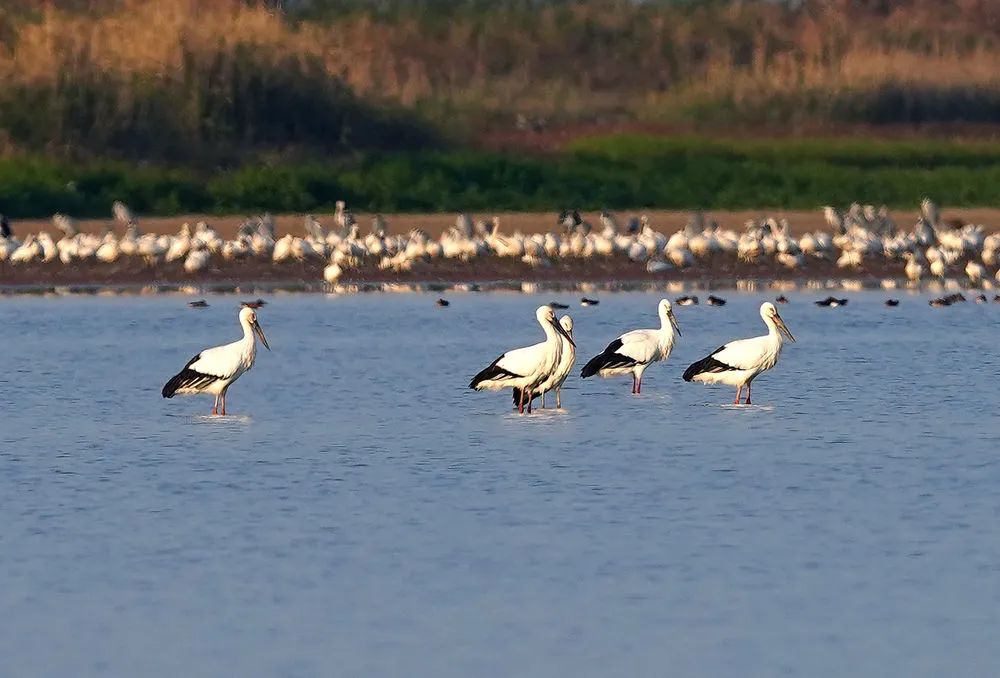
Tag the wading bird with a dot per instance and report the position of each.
(215, 369)
(739, 362)
(526, 368)
(558, 377)
(632, 352)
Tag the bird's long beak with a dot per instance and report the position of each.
(260, 333)
(673, 321)
(782, 327)
(560, 330)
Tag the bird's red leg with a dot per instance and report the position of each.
(748, 394)
(638, 386)
(520, 403)
(223, 403)
(739, 391)
(633, 383)
(529, 401)
(215, 406)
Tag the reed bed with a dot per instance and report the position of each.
(195, 82)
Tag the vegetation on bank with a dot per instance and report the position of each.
(288, 105)
(612, 172)
(206, 84)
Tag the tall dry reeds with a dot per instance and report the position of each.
(183, 78)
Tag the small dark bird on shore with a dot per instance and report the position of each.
(955, 298)
(443, 302)
(589, 302)
(5, 231)
(938, 303)
(555, 305)
(832, 302)
(782, 299)
(892, 302)
(201, 303)
(686, 301)
(258, 303)
(716, 301)
(981, 299)
(996, 298)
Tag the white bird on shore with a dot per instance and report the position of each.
(526, 368)
(975, 271)
(914, 269)
(122, 213)
(28, 251)
(215, 369)
(196, 260)
(562, 370)
(632, 352)
(332, 273)
(739, 362)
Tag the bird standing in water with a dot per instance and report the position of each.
(739, 362)
(215, 369)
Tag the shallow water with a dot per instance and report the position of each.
(364, 513)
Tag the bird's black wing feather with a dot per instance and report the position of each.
(494, 371)
(706, 365)
(607, 359)
(188, 378)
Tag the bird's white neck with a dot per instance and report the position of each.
(248, 335)
(665, 321)
(666, 328)
(772, 332)
(550, 332)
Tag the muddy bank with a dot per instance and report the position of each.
(718, 272)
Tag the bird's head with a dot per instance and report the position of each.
(771, 317)
(567, 324)
(667, 312)
(248, 317)
(546, 315)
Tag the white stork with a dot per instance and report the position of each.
(526, 368)
(739, 362)
(634, 351)
(215, 369)
(558, 377)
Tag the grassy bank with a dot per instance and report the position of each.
(612, 172)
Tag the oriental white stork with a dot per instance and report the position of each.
(739, 362)
(634, 351)
(526, 368)
(562, 370)
(215, 369)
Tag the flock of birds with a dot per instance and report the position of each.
(857, 237)
(932, 248)
(530, 372)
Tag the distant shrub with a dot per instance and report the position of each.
(612, 172)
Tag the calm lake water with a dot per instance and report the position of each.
(365, 514)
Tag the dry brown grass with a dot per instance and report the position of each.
(118, 75)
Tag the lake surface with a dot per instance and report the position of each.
(364, 514)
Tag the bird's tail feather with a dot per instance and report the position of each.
(489, 373)
(709, 364)
(594, 365)
(170, 388)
